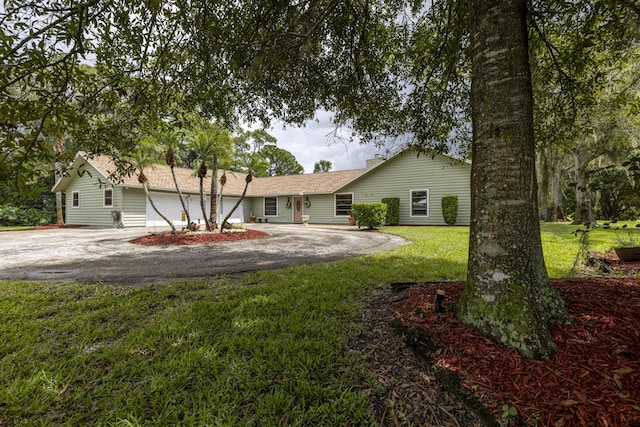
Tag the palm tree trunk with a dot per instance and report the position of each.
(59, 216)
(184, 205)
(204, 211)
(213, 203)
(153, 205)
(244, 192)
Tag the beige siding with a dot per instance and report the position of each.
(405, 172)
(91, 210)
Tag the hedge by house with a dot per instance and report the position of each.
(393, 210)
(370, 215)
(450, 208)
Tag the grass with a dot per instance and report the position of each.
(267, 348)
(14, 227)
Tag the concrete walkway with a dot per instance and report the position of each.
(89, 255)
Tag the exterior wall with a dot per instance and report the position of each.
(322, 210)
(91, 210)
(134, 207)
(440, 175)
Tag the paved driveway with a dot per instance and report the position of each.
(89, 255)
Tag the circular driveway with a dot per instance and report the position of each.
(89, 255)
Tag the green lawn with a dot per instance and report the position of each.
(14, 227)
(268, 348)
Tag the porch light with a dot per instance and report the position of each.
(288, 203)
(307, 202)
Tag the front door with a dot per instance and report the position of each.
(297, 209)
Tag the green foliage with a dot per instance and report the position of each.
(281, 162)
(370, 215)
(393, 210)
(23, 215)
(619, 196)
(508, 413)
(322, 166)
(450, 208)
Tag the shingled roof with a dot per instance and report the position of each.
(160, 179)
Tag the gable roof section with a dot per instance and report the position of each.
(383, 163)
(159, 176)
(160, 179)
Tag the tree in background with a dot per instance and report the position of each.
(248, 144)
(280, 161)
(322, 166)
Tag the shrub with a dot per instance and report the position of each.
(22, 215)
(393, 210)
(450, 208)
(370, 215)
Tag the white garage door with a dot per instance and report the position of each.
(170, 206)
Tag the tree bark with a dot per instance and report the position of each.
(59, 215)
(204, 211)
(184, 205)
(584, 205)
(557, 206)
(507, 294)
(213, 203)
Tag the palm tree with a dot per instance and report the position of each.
(142, 159)
(170, 141)
(212, 145)
(251, 161)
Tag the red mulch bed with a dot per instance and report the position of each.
(197, 238)
(50, 226)
(593, 380)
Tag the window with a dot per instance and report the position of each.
(419, 202)
(108, 197)
(270, 206)
(75, 199)
(343, 204)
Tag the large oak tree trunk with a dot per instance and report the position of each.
(507, 295)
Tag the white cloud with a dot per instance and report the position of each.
(319, 140)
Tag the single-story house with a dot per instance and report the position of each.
(419, 181)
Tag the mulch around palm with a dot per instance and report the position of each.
(181, 238)
(593, 380)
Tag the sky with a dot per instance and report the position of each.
(318, 141)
